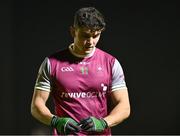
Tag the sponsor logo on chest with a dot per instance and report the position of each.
(67, 69)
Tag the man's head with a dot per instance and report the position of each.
(89, 17)
(86, 30)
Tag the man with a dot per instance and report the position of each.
(82, 81)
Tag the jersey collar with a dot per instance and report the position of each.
(78, 55)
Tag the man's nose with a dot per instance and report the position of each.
(90, 40)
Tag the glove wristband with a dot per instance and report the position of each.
(54, 121)
(105, 123)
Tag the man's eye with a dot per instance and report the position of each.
(88, 36)
(85, 36)
(95, 36)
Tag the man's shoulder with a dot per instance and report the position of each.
(62, 56)
(104, 54)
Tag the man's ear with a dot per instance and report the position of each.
(72, 31)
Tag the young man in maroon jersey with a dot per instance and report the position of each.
(82, 80)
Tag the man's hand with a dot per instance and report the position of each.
(65, 125)
(93, 124)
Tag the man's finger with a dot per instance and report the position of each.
(86, 123)
(72, 127)
(88, 126)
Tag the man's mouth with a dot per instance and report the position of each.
(89, 47)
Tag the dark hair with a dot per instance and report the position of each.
(89, 17)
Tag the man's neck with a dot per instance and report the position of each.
(71, 48)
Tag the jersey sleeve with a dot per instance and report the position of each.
(118, 81)
(43, 78)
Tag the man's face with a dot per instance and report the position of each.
(85, 40)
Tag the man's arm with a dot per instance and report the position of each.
(38, 107)
(121, 110)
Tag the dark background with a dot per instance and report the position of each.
(142, 35)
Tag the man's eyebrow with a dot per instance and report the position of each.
(85, 33)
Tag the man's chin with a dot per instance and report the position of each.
(88, 52)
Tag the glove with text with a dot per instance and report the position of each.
(93, 124)
(65, 125)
